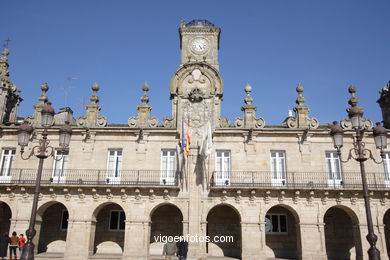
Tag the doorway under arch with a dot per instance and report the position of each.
(109, 230)
(282, 233)
(53, 229)
(166, 220)
(5, 217)
(223, 221)
(342, 234)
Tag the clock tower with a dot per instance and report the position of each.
(196, 86)
(199, 41)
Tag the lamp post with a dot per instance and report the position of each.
(42, 151)
(361, 154)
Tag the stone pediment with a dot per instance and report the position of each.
(196, 80)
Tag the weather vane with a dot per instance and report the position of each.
(5, 45)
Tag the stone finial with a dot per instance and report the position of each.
(92, 119)
(248, 99)
(300, 99)
(384, 103)
(35, 120)
(354, 108)
(249, 120)
(301, 119)
(145, 97)
(143, 119)
(353, 101)
(43, 98)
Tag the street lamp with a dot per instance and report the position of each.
(361, 154)
(42, 151)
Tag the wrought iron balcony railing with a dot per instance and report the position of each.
(298, 180)
(92, 177)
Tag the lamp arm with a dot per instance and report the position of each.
(349, 155)
(373, 158)
(32, 152)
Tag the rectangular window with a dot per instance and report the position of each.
(114, 165)
(276, 224)
(64, 220)
(117, 220)
(278, 168)
(60, 166)
(168, 167)
(333, 168)
(386, 166)
(222, 167)
(7, 159)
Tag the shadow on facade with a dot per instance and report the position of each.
(5, 217)
(108, 232)
(53, 221)
(224, 221)
(386, 222)
(283, 236)
(342, 234)
(166, 220)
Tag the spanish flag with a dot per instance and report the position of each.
(188, 139)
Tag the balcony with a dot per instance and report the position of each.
(297, 180)
(136, 178)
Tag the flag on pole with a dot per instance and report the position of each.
(183, 142)
(188, 139)
(207, 144)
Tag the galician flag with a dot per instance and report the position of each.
(207, 144)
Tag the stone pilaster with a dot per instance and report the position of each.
(136, 249)
(79, 230)
(251, 241)
(312, 241)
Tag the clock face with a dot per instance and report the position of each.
(199, 45)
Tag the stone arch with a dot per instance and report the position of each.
(5, 217)
(342, 233)
(52, 227)
(166, 219)
(356, 219)
(386, 222)
(282, 232)
(224, 221)
(108, 229)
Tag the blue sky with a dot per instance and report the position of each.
(272, 45)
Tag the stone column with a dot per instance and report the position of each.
(361, 244)
(251, 241)
(136, 246)
(381, 244)
(80, 236)
(312, 241)
(202, 246)
(365, 245)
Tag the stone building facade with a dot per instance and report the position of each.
(280, 191)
